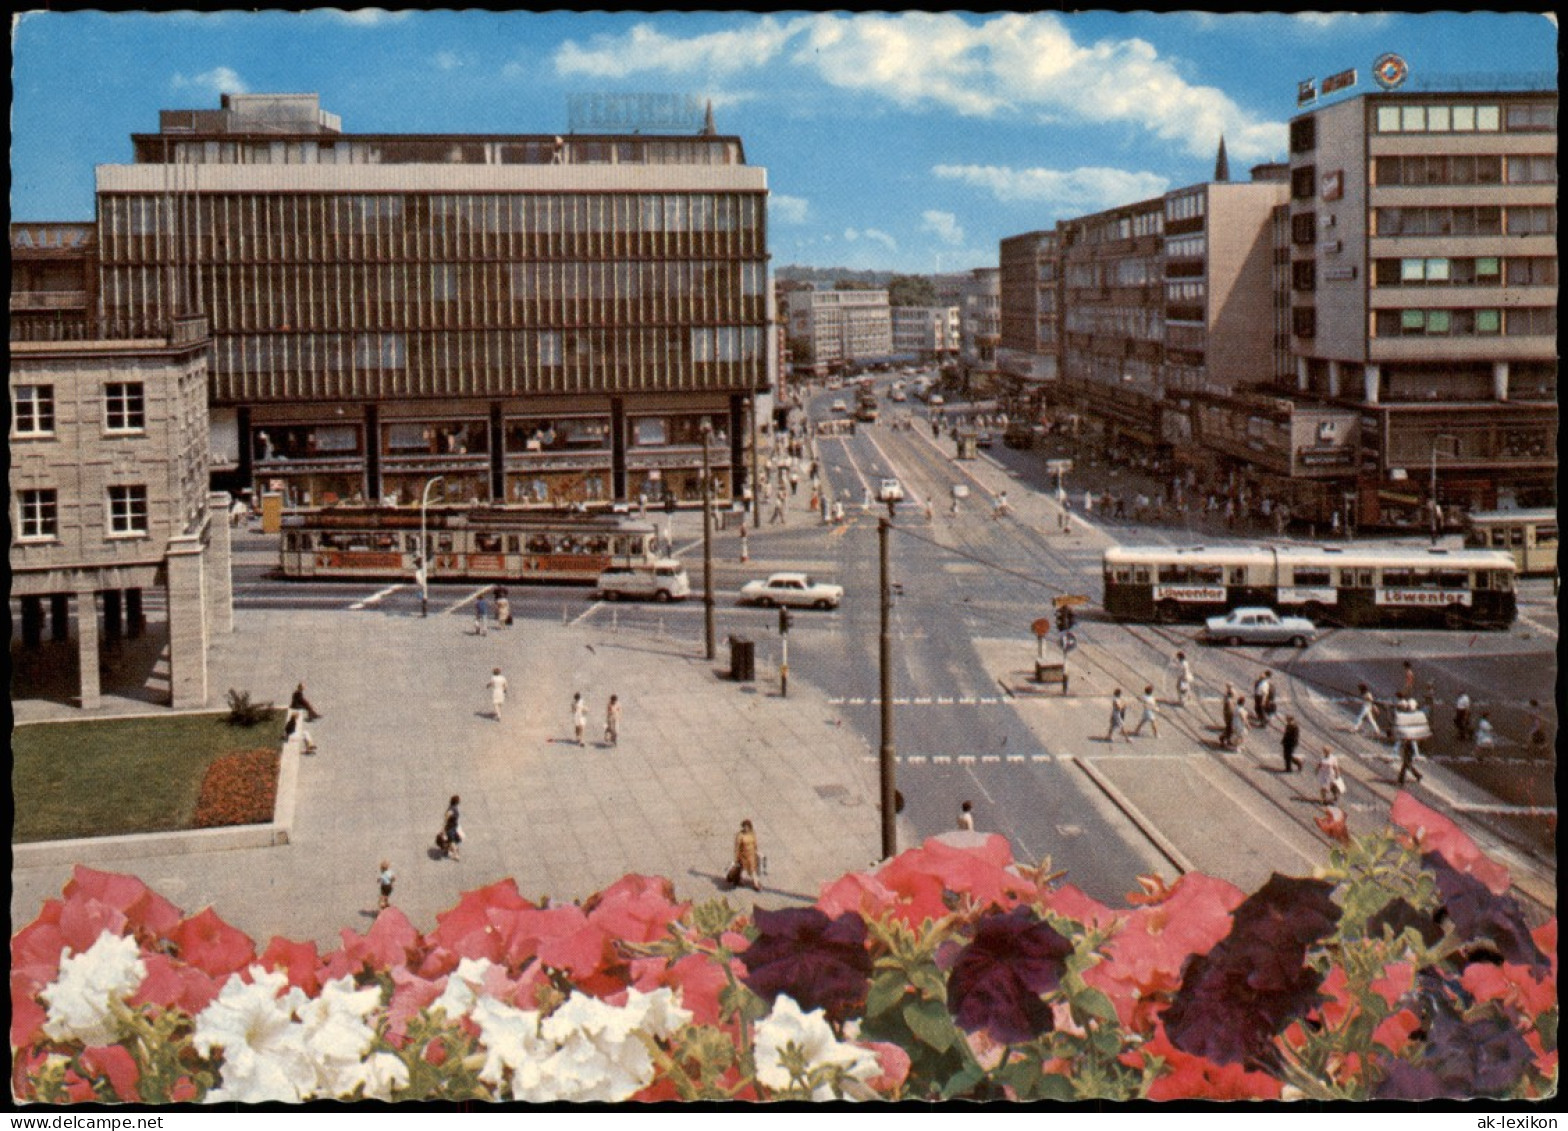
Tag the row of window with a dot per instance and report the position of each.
(1466, 169)
(397, 151)
(1112, 228)
(1482, 270)
(1525, 321)
(1462, 118)
(38, 513)
(1465, 220)
(124, 408)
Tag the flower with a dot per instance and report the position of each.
(207, 941)
(1196, 1078)
(1434, 833)
(265, 1056)
(462, 987)
(1482, 918)
(116, 1063)
(817, 961)
(809, 1033)
(337, 1036)
(1482, 1057)
(997, 980)
(81, 1001)
(513, 1047)
(1234, 999)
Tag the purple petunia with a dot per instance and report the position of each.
(1483, 1057)
(1234, 999)
(1483, 919)
(997, 980)
(821, 963)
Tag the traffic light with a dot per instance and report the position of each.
(785, 620)
(1061, 619)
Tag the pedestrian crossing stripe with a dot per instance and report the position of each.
(968, 759)
(920, 701)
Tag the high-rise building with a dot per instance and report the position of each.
(980, 321)
(1424, 291)
(841, 327)
(534, 319)
(1030, 310)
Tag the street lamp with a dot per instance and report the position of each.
(421, 571)
(707, 543)
(1432, 504)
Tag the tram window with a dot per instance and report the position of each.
(443, 543)
(1140, 575)
(568, 544)
(596, 544)
(514, 544)
(1397, 578)
(1313, 577)
(1121, 575)
(1453, 580)
(411, 543)
(1546, 534)
(1515, 537)
(539, 544)
(487, 543)
(290, 542)
(1238, 575)
(386, 541)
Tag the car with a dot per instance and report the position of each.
(1018, 435)
(890, 489)
(840, 406)
(1259, 626)
(982, 439)
(794, 589)
(936, 400)
(898, 395)
(663, 580)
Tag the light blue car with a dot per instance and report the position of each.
(1258, 626)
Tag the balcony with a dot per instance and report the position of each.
(48, 300)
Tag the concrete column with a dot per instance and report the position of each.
(1372, 375)
(1303, 378)
(135, 618)
(217, 565)
(87, 647)
(60, 617)
(32, 622)
(1500, 380)
(187, 623)
(1334, 375)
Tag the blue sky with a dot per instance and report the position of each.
(907, 141)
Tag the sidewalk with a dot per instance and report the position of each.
(406, 724)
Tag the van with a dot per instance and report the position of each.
(664, 580)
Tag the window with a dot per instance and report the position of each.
(1304, 135)
(127, 510)
(1532, 272)
(125, 406)
(33, 414)
(1303, 182)
(1532, 170)
(1532, 221)
(38, 515)
(1532, 119)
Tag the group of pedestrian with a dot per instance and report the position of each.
(484, 608)
(612, 719)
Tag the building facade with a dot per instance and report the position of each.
(1029, 276)
(1423, 260)
(533, 319)
(925, 333)
(980, 323)
(109, 499)
(842, 328)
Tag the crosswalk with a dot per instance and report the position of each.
(922, 701)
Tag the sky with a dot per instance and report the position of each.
(902, 141)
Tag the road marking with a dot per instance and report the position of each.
(470, 599)
(374, 598)
(921, 701)
(588, 612)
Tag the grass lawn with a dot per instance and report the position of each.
(119, 776)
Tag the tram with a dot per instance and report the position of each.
(477, 543)
(1326, 584)
(1530, 536)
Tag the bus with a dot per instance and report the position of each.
(478, 543)
(1345, 585)
(1530, 536)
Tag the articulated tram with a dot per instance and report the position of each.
(1529, 535)
(478, 543)
(1326, 584)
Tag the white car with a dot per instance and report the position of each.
(664, 580)
(794, 589)
(891, 489)
(1259, 626)
(840, 406)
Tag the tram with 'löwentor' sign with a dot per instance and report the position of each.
(1326, 584)
(469, 543)
(1530, 536)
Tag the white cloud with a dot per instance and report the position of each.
(788, 209)
(364, 17)
(448, 60)
(1081, 190)
(1324, 21)
(873, 234)
(1013, 63)
(943, 224)
(219, 80)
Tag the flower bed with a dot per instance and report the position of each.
(238, 789)
(1402, 970)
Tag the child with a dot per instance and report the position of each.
(386, 879)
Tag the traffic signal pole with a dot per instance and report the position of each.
(885, 759)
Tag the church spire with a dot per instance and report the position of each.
(708, 129)
(1221, 163)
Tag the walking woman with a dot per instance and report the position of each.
(747, 862)
(452, 830)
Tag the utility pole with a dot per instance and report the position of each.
(889, 792)
(707, 545)
(784, 620)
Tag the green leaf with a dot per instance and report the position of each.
(928, 980)
(887, 990)
(928, 1020)
(1095, 1003)
(963, 1081)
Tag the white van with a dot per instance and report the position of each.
(664, 580)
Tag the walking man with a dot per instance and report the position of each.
(1183, 679)
(1118, 717)
(1288, 743)
(1462, 717)
(612, 721)
(481, 610)
(1368, 711)
(298, 702)
(966, 817)
(1262, 690)
(497, 686)
(1228, 715)
(1331, 784)
(579, 717)
(1150, 711)
(1485, 737)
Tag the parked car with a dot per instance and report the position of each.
(890, 489)
(1259, 626)
(664, 580)
(795, 589)
(840, 406)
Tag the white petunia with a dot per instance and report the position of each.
(463, 987)
(810, 1033)
(80, 999)
(265, 1056)
(380, 1074)
(337, 1036)
(511, 1041)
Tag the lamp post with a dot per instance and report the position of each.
(886, 760)
(422, 570)
(707, 545)
(1432, 503)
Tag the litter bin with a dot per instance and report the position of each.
(743, 660)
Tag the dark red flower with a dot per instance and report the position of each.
(1191, 1077)
(1483, 920)
(996, 982)
(1234, 999)
(1483, 1057)
(821, 963)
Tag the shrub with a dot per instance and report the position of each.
(245, 713)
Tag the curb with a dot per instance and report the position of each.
(1132, 812)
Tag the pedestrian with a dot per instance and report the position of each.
(451, 830)
(1368, 711)
(747, 862)
(1409, 749)
(1228, 716)
(1429, 700)
(1407, 689)
(1462, 716)
(579, 717)
(1243, 724)
(298, 702)
(1333, 824)
(1485, 738)
(295, 724)
(1183, 679)
(481, 611)
(503, 610)
(966, 817)
(1331, 783)
(1537, 738)
(794, 482)
(612, 721)
(1288, 743)
(1262, 689)
(1150, 711)
(385, 881)
(777, 514)
(1118, 717)
(497, 685)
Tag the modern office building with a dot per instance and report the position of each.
(531, 318)
(1423, 257)
(841, 328)
(980, 324)
(925, 333)
(109, 497)
(1026, 353)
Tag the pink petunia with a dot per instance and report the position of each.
(1395, 1030)
(118, 1065)
(1070, 902)
(148, 913)
(176, 985)
(895, 1065)
(82, 921)
(1545, 937)
(410, 994)
(1433, 832)
(699, 979)
(1189, 1077)
(389, 943)
(1512, 984)
(468, 930)
(207, 942)
(299, 960)
(27, 1015)
(636, 908)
